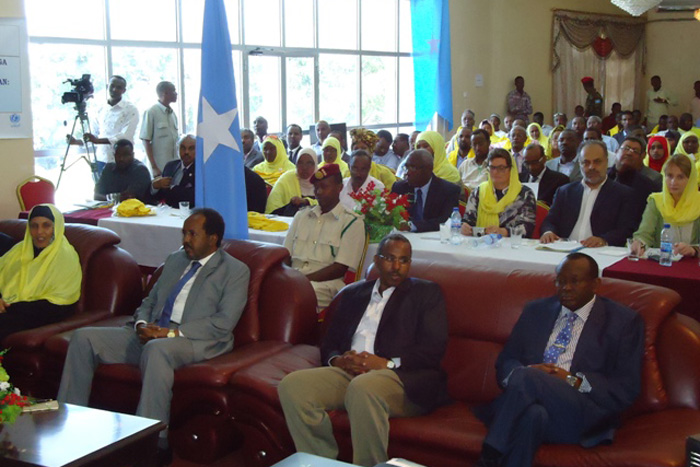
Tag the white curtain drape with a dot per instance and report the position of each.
(618, 77)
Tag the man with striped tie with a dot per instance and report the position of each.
(570, 367)
(187, 317)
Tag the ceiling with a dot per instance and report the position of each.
(676, 5)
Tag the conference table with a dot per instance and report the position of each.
(150, 239)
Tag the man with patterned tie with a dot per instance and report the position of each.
(571, 366)
(432, 198)
(187, 317)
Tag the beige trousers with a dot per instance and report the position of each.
(369, 399)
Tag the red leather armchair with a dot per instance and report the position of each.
(111, 285)
(483, 306)
(281, 312)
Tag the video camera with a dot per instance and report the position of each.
(82, 90)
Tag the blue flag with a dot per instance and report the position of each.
(219, 176)
(432, 65)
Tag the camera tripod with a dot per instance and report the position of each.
(90, 156)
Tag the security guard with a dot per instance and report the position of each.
(327, 239)
(594, 101)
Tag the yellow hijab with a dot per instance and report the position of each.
(687, 209)
(550, 143)
(271, 171)
(441, 166)
(54, 275)
(383, 174)
(679, 147)
(288, 185)
(489, 208)
(333, 142)
(543, 140)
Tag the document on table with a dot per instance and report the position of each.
(563, 247)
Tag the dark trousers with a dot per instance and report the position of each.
(28, 315)
(536, 408)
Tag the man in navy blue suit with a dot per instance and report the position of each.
(571, 366)
(432, 198)
(177, 181)
(596, 211)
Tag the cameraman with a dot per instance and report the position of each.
(114, 122)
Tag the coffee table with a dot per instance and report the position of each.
(79, 436)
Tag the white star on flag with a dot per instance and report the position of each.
(214, 129)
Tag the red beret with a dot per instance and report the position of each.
(326, 171)
(587, 80)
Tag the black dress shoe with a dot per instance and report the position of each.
(164, 457)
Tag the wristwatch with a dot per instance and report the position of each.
(390, 364)
(573, 381)
(171, 334)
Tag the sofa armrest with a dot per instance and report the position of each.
(34, 338)
(678, 351)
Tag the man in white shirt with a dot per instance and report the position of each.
(595, 211)
(474, 171)
(596, 123)
(383, 154)
(372, 372)
(359, 179)
(159, 131)
(116, 121)
(659, 102)
(323, 129)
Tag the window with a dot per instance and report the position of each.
(295, 61)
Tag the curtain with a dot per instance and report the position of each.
(617, 76)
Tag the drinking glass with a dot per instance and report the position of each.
(631, 255)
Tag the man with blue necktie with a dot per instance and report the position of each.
(432, 198)
(188, 316)
(571, 366)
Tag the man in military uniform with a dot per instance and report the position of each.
(325, 240)
(594, 101)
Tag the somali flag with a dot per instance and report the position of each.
(219, 176)
(432, 65)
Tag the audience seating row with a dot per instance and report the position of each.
(483, 305)
(231, 402)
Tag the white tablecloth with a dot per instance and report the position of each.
(151, 239)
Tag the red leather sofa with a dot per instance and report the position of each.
(483, 306)
(111, 285)
(280, 313)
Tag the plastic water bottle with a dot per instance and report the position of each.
(489, 240)
(456, 224)
(666, 246)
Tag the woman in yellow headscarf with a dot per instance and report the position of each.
(294, 189)
(688, 145)
(434, 143)
(276, 160)
(678, 204)
(552, 148)
(366, 140)
(40, 277)
(331, 151)
(501, 205)
(493, 138)
(534, 131)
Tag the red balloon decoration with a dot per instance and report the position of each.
(603, 46)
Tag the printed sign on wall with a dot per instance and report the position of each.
(15, 107)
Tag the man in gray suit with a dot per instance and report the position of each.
(187, 317)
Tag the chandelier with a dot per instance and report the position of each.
(636, 7)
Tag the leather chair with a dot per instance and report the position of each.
(281, 312)
(111, 285)
(481, 317)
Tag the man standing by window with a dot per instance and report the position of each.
(159, 130)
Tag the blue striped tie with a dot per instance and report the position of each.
(164, 320)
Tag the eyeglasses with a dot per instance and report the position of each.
(403, 260)
(630, 149)
(499, 168)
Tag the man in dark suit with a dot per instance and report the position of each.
(535, 171)
(627, 121)
(571, 366)
(381, 358)
(596, 211)
(432, 198)
(177, 181)
(628, 170)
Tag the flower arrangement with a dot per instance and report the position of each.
(11, 401)
(382, 210)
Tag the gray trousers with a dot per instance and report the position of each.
(369, 399)
(157, 360)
